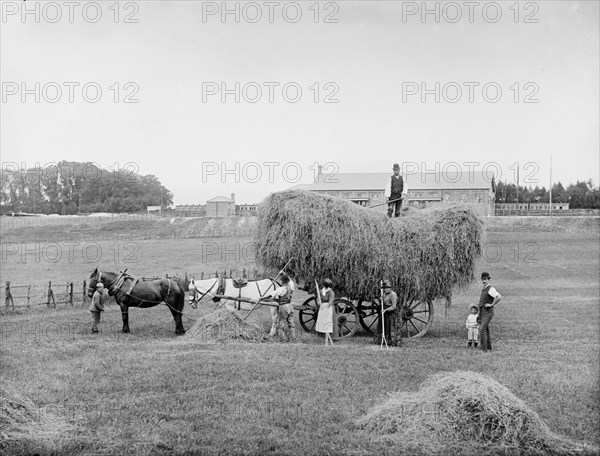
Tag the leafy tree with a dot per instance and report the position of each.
(73, 187)
(578, 194)
(559, 194)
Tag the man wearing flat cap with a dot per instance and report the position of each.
(390, 315)
(98, 299)
(395, 192)
(488, 299)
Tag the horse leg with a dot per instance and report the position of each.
(125, 315)
(176, 310)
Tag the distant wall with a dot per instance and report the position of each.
(7, 222)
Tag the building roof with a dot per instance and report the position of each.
(417, 181)
(220, 199)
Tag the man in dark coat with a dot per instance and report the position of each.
(395, 192)
(488, 299)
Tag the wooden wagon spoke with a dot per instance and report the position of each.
(411, 306)
(348, 318)
(422, 321)
(410, 321)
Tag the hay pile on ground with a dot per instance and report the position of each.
(425, 254)
(463, 410)
(223, 326)
(21, 419)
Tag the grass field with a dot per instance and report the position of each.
(150, 392)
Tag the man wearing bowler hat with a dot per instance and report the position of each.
(488, 299)
(395, 192)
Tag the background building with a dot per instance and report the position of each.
(511, 209)
(221, 206)
(367, 189)
(246, 209)
(189, 210)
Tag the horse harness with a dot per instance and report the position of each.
(115, 286)
(238, 283)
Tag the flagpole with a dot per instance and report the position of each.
(550, 186)
(518, 209)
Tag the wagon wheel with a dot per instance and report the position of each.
(308, 315)
(368, 313)
(347, 318)
(416, 318)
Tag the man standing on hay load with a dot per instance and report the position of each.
(390, 317)
(395, 192)
(488, 299)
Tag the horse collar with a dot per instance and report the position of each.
(116, 284)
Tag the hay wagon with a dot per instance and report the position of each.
(363, 311)
(426, 255)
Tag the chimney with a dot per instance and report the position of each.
(233, 197)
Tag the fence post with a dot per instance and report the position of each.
(50, 295)
(8, 295)
(84, 291)
(71, 293)
(28, 296)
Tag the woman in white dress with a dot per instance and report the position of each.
(326, 311)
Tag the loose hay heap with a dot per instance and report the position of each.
(424, 255)
(463, 410)
(21, 419)
(225, 325)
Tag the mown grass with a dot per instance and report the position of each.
(150, 392)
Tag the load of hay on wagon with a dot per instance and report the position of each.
(425, 254)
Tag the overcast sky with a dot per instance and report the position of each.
(373, 58)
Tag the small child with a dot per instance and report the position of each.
(473, 327)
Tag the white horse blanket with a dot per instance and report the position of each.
(254, 290)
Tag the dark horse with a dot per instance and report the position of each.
(143, 294)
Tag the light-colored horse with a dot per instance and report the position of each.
(254, 290)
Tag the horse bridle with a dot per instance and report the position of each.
(98, 280)
(195, 300)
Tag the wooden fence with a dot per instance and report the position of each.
(36, 295)
(28, 296)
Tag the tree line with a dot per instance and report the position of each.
(582, 195)
(68, 188)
